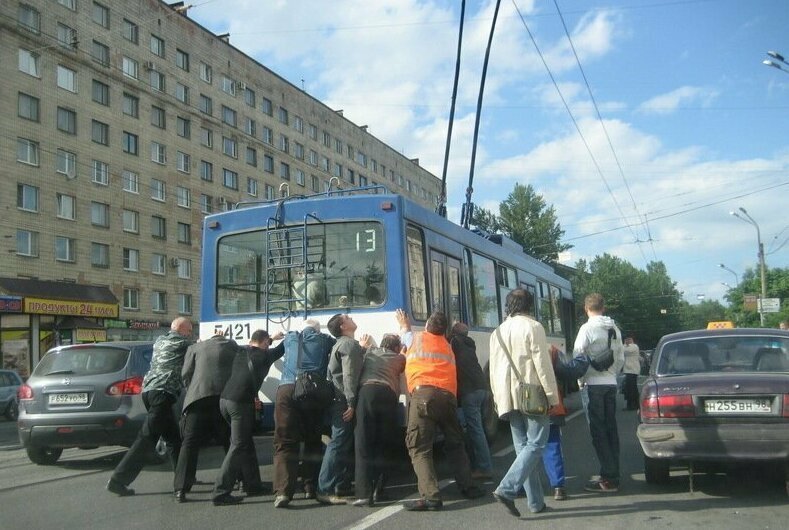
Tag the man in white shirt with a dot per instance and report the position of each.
(631, 370)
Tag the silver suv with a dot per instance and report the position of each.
(86, 396)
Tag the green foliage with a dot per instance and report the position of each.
(777, 281)
(525, 218)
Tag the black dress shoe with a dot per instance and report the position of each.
(508, 503)
(423, 505)
(119, 489)
(227, 500)
(180, 496)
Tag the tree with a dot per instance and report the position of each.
(525, 218)
(699, 315)
(744, 314)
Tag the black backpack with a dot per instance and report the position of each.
(603, 360)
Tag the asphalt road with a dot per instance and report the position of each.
(71, 494)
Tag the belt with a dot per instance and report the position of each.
(432, 387)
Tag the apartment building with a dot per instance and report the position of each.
(125, 122)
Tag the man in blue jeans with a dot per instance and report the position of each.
(599, 391)
(472, 394)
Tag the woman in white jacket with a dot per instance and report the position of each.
(525, 341)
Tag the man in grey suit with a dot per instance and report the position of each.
(207, 367)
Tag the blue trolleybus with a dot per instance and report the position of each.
(273, 264)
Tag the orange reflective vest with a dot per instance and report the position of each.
(430, 361)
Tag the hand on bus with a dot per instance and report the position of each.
(367, 341)
(347, 415)
(402, 320)
(279, 335)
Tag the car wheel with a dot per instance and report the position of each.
(43, 456)
(12, 412)
(656, 471)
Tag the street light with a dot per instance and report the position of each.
(748, 219)
(736, 278)
(779, 63)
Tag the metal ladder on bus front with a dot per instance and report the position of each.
(290, 250)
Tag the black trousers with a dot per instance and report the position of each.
(241, 459)
(202, 422)
(375, 436)
(159, 422)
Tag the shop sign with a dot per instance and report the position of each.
(91, 335)
(43, 306)
(117, 324)
(10, 304)
(147, 324)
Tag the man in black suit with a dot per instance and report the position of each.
(207, 368)
(237, 405)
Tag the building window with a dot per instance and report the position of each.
(159, 264)
(29, 18)
(131, 32)
(131, 181)
(130, 68)
(362, 180)
(206, 73)
(326, 139)
(269, 192)
(183, 127)
(266, 107)
(252, 156)
(300, 177)
(158, 227)
(157, 46)
(284, 143)
(67, 78)
(298, 124)
(229, 116)
(206, 171)
(66, 163)
(229, 147)
(252, 187)
(338, 145)
(228, 86)
(184, 268)
(27, 151)
(284, 171)
(268, 164)
(67, 206)
(298, 151)
(131, 105)
(312, 132)
(100, 53)
(230, 179)
(182, 93)
(183, 162)
(249, 97)
(131, 298)
(101, 173)
(158, 117)
(27, 197)
(181, 59)
(100, 214)
(131, 221)
(158, 153)
(184, 304)
(67, 37)
(206, 105)
(131, 259)
(337, 170)
(206, 137)
(26, 243)
(71, 4)
(267, 135)
(185, 233)
(183, 197)
(65, 249)
(101, 15)
(29, 62)
(157, 81)
(130, 143)
(316, 183)
(250, 127)
(206, 204)
(159, 301)
(282, 115)
(324, 165)
(313, 158)
(100, 93)
(100, 132)
(100, 255)
(351, 176)
(158, 190)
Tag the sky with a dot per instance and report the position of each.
(644, 123)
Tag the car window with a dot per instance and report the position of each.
(83, 361)
(724, 354)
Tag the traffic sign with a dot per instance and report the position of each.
(769, 305)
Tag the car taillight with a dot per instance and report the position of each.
(668, 407)
(26, 392)
(127, 387)
(786, 406)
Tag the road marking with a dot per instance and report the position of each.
(389, 511)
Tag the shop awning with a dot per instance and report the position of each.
(56, 290)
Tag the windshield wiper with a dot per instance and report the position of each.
(59, 372)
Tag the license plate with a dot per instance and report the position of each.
(737, 406)
(74, 398)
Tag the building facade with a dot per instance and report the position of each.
(125, 124)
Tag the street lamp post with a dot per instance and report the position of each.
(779, 62)
(736, 277)
(748, 219)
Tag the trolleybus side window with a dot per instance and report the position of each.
(544, 307)
(445, 285)
(484, 299)
(437, 285)
(556, 309)
(506, 281)
(416, 272)
(240, 271)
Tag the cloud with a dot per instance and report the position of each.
(671, 101)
